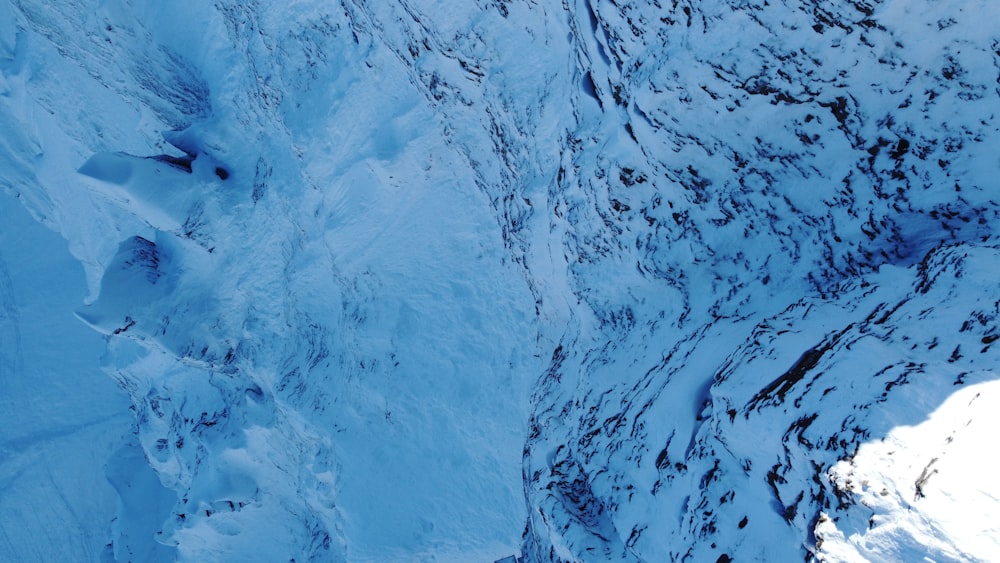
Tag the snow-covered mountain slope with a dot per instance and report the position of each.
(328, 349)
(61, 417)
(794, 198)
(662, 281)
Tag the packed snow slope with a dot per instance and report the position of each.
(590, 281)
(61, 417)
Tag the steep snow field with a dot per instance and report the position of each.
(61, 417)
(306, 293)
(413, 281)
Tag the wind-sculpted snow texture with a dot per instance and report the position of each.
(662, 280)
(796, 202)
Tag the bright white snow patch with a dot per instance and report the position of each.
(922, 483)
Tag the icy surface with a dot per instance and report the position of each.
(61, 417)
(590, 281)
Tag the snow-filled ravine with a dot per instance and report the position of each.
(418, 281)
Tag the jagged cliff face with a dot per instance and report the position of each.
(664, 281)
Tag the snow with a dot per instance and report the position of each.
(924, 482)
(408, 281)
(338, 308)
(62, 418)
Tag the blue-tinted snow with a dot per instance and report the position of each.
(61, 416)
(390, 281)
